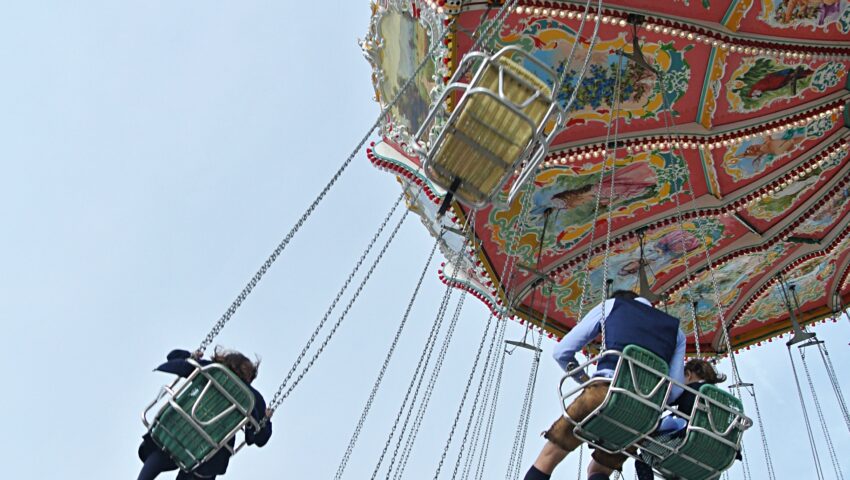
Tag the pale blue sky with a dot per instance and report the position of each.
(153, 153)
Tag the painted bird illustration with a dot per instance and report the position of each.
(778, 80)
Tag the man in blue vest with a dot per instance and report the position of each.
(628, 319)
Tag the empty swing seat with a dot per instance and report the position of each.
(634, 403)
(712, 438)
(500, 120)
(202, 415)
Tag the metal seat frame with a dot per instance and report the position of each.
(169, 395)
(738, 419)
(622, 363)
(535, 149)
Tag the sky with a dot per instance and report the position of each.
(152, 154)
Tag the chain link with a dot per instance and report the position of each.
(833, 379)
(674, 139)
(276, 402)
(491, 421)
(336, 299)
(419, 374)
(497, 339)
(771, 474)
(605, 262)
(228, 314)
(376, 386)
(480, 418)
(429, 390)
(467, 387)
(829, 445)
(818, 468)
(421, 366)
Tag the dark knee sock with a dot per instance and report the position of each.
(598, 476)
(535, 474)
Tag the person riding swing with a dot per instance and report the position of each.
(629, 320)
(183, 364)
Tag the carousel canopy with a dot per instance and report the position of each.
(730, 168)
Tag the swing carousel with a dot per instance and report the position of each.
(696, 152)
(717, 131)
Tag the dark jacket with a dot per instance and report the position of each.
(685, 402)
(177, 363)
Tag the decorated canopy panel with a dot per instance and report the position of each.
(730, 169)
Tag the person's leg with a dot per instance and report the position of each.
(560, 436)
(597, 471)
(547, 460)
(605, 463)
(643, 470)
(156, 463)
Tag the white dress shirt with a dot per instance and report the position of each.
(589, 328)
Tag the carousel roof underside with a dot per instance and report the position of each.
(750, 177)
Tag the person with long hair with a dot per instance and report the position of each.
(157, 461)
(671, 432)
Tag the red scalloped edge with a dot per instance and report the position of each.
(487, 301)
(387, 166)
(805, 258)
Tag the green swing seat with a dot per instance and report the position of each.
(634, 403)
(712, 439)
(202, 416)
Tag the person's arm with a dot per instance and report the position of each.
(586, 330)
(258, 438)
(177, 364)
(677, 366)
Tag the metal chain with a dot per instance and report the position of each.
(584, 288)
(818, 468)
(616, 95)
(525, 416)
(421, 366)
(420, 414)
(480, 418)
(833, 379)
(467, 387)
(514, 464)
(771, 474)
(497, 339)
(417, 379)
(278, 399)
(674, 139)
(696, 317)
(222, 321)
(829, 445)
(429, 390)
(580, 459)
(492, 29)
(354, 437)
(491, 421)
(372, 242)
(745, 464)
(587, 57)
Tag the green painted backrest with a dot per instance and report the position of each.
(702, 447)
(179, 436)
(628, 411)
